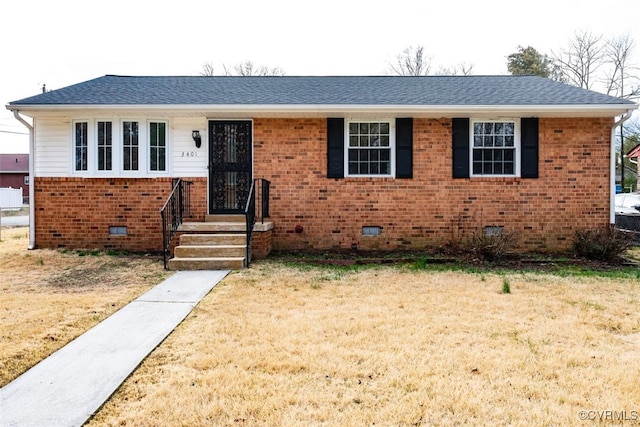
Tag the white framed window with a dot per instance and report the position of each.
(495, 147)
(80, 146)
(104, 145)
(370, 148)
(157, 146)
(125, 147)
(130, 145)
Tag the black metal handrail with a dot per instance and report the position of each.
(177, 206)
(250, 217)
(250, 209)
(265, 186)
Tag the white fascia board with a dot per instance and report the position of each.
(257, 110)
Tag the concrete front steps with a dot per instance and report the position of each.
(218, 243)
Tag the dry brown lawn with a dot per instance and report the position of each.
(48, 297)
(283, 345)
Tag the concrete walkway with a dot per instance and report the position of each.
(66, 388)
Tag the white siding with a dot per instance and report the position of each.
(187, 160)
(53, 153)
(52, 150)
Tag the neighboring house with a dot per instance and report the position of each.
(14, 173)
(633, 155)
(374, 163)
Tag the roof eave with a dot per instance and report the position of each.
(323, 110)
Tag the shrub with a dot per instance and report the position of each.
(506, 286)
(601, 244)
(492, 247)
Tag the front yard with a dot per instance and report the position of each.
(299, 345)
(294, 344)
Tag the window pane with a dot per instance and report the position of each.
(508, 141)
(364, 141)
(499, 141)
(488, 141)
(385, 155)
(384, 168)
(353, 128)
(508, 155)
(384, 141)
(162, 159)
(353, 141)
(353, 169)
(353, 155)
(374, 128)
(488, 128)
(508, 168)
(477, 128)
(364, 128)
(384, 128)
(509, 128)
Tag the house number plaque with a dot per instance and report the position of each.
(189, 154)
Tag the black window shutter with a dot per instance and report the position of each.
(404, 148)
(529, 148)
(335, 148)
(460, 136)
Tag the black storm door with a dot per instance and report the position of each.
(230, 165)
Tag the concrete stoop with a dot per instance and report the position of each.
(218, 243)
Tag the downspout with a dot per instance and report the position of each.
(32, 191)
(612, 189)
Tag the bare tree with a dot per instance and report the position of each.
(411, 62)
(462, 69)
(248, 68)
(581, 59)
(619, 75)
(207, 70)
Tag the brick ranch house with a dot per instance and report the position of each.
(377, 163)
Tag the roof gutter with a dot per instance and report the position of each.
(32, 191)
(612, 172)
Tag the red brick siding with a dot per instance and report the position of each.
(76, 213)
(432, 208)
(261, 244)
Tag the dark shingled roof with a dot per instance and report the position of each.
(346, 90)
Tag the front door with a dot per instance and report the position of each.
(230, 165)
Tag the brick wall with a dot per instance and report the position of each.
(432, 208)
(76, 213)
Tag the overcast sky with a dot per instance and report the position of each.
(62, 42)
